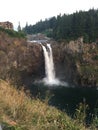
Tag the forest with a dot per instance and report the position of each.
(68, 26)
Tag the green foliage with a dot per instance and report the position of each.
(82, 23)
(80, 114)
(40, 26)
(13, 33)
(48, 33)
(86, 38)
(95, 119)
(95, 57)
(6, 126)
(88, 69)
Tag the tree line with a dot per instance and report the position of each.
(68, 27)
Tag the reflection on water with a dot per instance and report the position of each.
(67, 98)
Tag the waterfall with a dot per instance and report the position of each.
(49, 66)
(0, 127)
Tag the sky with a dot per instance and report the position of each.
(32, 11)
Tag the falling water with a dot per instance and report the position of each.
(0, 127)
(49, 66)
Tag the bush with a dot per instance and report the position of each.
(13, 33)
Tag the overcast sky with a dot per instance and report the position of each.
(32, 11)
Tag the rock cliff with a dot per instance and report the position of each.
(20, 59)
(75, 62)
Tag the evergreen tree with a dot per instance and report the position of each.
(82, 23)
(19, 27)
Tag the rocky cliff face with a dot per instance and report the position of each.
(75, 62)
(20, 59)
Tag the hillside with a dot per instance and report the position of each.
(18, 112)
(68, 27)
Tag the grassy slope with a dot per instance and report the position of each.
(19, 112)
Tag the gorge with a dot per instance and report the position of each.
(23, 62)
(75, 62)
(64, 96)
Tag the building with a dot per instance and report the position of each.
(6, 25)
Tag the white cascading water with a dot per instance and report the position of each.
(50, 78)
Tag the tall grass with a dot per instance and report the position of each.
(20, 112)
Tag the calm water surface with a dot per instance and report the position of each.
(67, 98)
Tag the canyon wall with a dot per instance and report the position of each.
(20, 60)
(75, 62)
